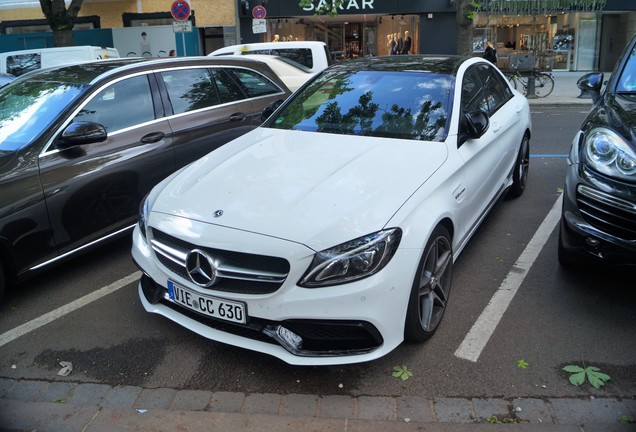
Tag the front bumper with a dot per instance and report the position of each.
(349, 323)
(599, 218)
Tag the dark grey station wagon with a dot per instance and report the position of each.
(81, 145)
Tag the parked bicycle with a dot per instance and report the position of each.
(543, 81)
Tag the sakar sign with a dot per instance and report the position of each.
(347, 5)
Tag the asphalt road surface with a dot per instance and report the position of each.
(510, 301)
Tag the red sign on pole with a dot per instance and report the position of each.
(180, 10)
(259, 12)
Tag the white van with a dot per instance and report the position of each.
(313, 55)
(20, 62)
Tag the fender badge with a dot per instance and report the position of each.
(218, 213)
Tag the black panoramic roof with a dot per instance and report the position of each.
(446, 64)
(88, 72)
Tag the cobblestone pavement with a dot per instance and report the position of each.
(27, 405)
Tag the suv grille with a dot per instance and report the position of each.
(237, 272)
(607, 213)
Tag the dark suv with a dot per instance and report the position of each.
(81, 145)
(598, 224)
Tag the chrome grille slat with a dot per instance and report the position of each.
(250, 276)
(613, 215)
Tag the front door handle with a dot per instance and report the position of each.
(152, 137)
(238, 116)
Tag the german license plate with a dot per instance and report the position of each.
(214, 307)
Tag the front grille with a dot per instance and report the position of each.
(237, 272)
(614, 216)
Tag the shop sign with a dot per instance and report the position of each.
(347, 5)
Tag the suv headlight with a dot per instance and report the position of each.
(608, 153)
(353, 260)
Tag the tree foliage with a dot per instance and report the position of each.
(61, 20)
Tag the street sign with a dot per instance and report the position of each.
(181, 26)
(180, 10)
(259, 26)
(259, 12)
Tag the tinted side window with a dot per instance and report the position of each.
(495, 88)
(22, 63)
(190, 89)
(228, 88)
(299, 55)
(253, 83)
(472, 95)
(120, 105)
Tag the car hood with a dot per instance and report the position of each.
(317, 189)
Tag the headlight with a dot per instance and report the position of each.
(608, 153)
(143, 215)
(353, 260)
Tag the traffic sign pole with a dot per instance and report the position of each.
(180, 10)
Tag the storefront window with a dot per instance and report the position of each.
(350, 36)
(565, 41)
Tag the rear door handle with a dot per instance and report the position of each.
(496, 127)
(237, 117)
(152, 137)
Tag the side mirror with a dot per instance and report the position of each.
(591, 83)
(269, 109)
(474, 125)
(79, 133)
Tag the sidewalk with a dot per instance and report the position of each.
(565, 91)
(34, 405)
(29, 405)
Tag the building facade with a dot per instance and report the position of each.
(577, 38)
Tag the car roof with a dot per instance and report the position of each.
(268, 45)
(288, 63)
(447, 64)
(94, 71)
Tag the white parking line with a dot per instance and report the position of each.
(42, 320)
(484, 327)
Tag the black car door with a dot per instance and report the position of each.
(94, 190)
(208, 110)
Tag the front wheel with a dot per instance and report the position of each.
(520, 170)
(566, 259)
(544, 84)
(431, 287)
(3, 282)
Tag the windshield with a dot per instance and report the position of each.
(28, 108)
(407, 105)
(627, 80)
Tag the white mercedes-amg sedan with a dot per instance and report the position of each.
(328, 234)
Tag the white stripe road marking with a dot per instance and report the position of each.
(484, 327)
(42, 320)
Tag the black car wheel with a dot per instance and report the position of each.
(520, 171)
(566, 260)
(431, 287)
(3, 282)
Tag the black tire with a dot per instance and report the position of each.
(566, 260)
(431, 288)
(3, 282)
(520, 170)
(544, 85)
